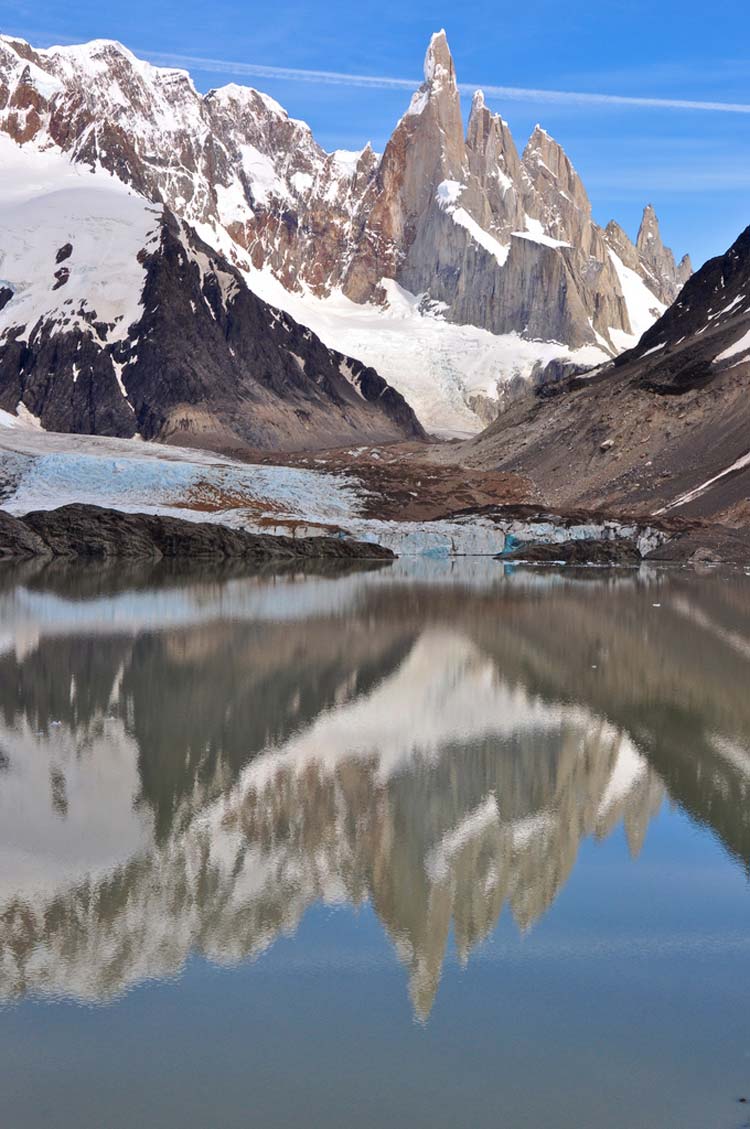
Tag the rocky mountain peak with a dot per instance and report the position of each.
(620, 242)
(496, 167)
(684, 270)
(705, 330)
(550, 168)
(438, 94)
(159, 335)
(426, 150)
(542, 146)
(484, 128)
(657, 259)
(439, 69)
(649, 234)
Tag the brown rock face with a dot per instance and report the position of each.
(426, 149)
(496, 166)
(506, 243)
(622, 245)
(18, 540)
(621, 552)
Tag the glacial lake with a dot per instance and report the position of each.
(441, 845)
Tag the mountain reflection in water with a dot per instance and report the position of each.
(188, 763)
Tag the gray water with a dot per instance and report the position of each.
(431, 845)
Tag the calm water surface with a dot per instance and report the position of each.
(430, 845)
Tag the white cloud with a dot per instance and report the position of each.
(383, 82)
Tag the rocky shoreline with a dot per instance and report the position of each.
(87, 532)
(623, 551)
(702, 544)
(83, 532)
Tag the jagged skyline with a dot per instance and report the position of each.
(677, 158)
(449, 220)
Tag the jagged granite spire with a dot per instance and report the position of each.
(656, 258)
(649, 235)
(426, 150)
(438, 62)
(495, 164)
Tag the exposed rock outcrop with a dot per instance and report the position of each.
(17, 539)
(90, 532)
(703, 332)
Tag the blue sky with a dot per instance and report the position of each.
(694, 166)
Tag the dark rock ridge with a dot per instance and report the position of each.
(207, 362)
(505, 241)
(683, 349)
(91, 532)
(666, 428)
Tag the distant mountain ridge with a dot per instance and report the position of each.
(480, 235)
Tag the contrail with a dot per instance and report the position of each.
(383, 82)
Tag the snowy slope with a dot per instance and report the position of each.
(115, 319)
(455, 377)
(48, 205)
(643, 306)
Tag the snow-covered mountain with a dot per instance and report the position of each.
(452, 264)
(116, 319)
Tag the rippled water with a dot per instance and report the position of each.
(423, 845)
